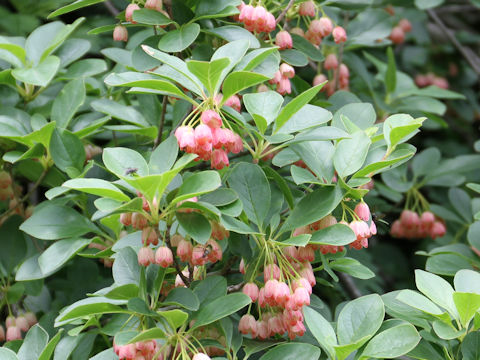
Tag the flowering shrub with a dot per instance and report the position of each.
(216, 185)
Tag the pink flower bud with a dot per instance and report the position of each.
(396, 229)
(283, 40)
(270, 287)
(219, 159)
(186, 138)
(153, 5)
(247, 325)
(438, 230)
(5, 180)
(235, 143)
(234, 102)
(307, 9)
(331, 62)
(363, 211)
(301, 297)
(203, 135)
(216, 251)
(302, 282)
(13, 333)
(290, 252)
(262, 88)
(405, 25)
(298, 31)
(397, 35)
(242, 267)
(22, 323)
(251, 290)
(184, 250)
(373, 228)
(199, 255)
(127, 351)
(344, 73)
(246, 14)
(441, 82)
(120, 33)
(271, 271)
(281, 294)
(306, 254)
(126, 218)
(164, 256)
(284, 86)
(2, 334)
(211, 118)
(427, 218)
(129, 12)
(325, 222)
(262, 328)
(326, 26)
(146, 256)
(271, 23)
(10, 321)
(287, 71)
(339, 34)
(149, 236)
(139, 221)
(409, 219)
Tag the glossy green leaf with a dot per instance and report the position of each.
(178, 40)
(34, 343)
(67, 152)
(39, 75)
(292, 351)
(350, 154)
(196, 225)
(53, 222)
(240, 80)
(467, 304)
(126, 269)
(150, 17)
(183, 297)
(78, 4)
(209, 73)
(352, 267)
(13, 244)
(321, 330)
(59, 253)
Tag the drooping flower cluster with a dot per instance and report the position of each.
(256, 19)
(282, 79)
(415, 226)
(209, 140)
(144, 350)
(16, 325)
(431, 79)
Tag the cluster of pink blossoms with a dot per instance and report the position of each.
(283, 296)
(144, 350)
(282, 79)
(431, 79)
(16, 325)
(398, 32)
(256, 19)
(414, 226)
(331, 64)
(209, 140)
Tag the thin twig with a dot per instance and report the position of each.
(26, 196)
(158, 140)
(234, 288)
(470, 56)
(111, 8)
(349, 285)
(284, 12)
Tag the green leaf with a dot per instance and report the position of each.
(67, 152)
(240, 80)
(467, 281)
(122, 161)
(467, 304)
(233, 32)
(294, 57)
(198, 184)
(209, 73)
(39, 75)
(175, 317)
(85, 68)
(473, 234)
(150, 334)
(313, 207)
(436, 289)
(122, 112)
(399, 128)
(73, 6)
(49, 349)
(305, 46)
(53, 222)
(164, 156)
(447, 331)
(253, 189)
(67, 103)
(90, 306)
(361, 114)
(97, 187)
(59, 253)
(307, 118)
(470, 346)
(264, 107)
(295, 105)
(183, 297)
(216, 8)
(180, 39)
(16, 50)
(427, 4)
(220, 308)
(34, 343)
(292, 351)
(211, 288)
(352, 267)
(421, 303)
(338, 234)
(392, 343)
(300, 240)
(151, 17)
(360, 319)
(391, 73)
(321, 330)
(13, 244)
(126, 269)
(7, 354)
(398, 156)
(196, 225)
(350, 154)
